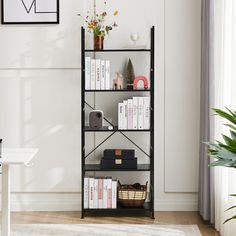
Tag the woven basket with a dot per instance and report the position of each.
(132, 195)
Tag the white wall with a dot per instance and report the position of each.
(40, 101)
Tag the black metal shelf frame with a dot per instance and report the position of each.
(119, 50)
(97, 167)
(117, 91)
(141, 167)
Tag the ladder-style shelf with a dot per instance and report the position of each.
(148, 207)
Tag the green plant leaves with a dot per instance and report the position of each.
(222, 151)
(225, 153)
(231, 126)
(233, 135)
(231, 116)
(232, 218)
(232, 207)
(229, 141)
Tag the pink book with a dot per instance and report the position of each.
(109, 192)
(100, 192)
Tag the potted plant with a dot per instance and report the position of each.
(225, 152)
(96, 24)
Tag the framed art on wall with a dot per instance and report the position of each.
(30, 11)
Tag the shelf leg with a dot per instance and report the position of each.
(6, 200)
(82, 215)
(153, 215)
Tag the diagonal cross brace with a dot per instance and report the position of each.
(100, 144)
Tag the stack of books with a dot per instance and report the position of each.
(100, 193)
(97, 74)
(134, 113)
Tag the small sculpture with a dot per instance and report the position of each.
(129, 75)
(118, 82)
(134, 37)
(141, 78)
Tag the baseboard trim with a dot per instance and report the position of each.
(176, 205)
(72, 202)
(46, 202)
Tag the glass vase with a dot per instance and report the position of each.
(98, 42)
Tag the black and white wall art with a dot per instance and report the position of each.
(30, 11)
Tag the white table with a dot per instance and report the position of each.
(10, 157)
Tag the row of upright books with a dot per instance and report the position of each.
(100, 193)
(97, 74)
(134, 113)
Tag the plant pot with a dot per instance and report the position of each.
(98, 42)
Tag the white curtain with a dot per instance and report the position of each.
(225, 96)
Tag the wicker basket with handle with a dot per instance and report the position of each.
(132, 195)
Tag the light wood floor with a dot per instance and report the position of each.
(74, 218)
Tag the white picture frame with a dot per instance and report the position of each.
(30, 11)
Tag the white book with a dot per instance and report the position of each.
(135, 113)
(140, 113)
(109, 192)
(91, 195)
(103, 74)
(130, 114)
(98, 74)
(108, 76)
(125, 120)
(87, 72)
(121, 115)
(146, 112)
(93, 75)
(114, 194)
(104, 192)
(95, 193)
(86, 192)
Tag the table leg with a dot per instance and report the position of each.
(6, 200)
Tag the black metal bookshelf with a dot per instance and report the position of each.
(148, 207)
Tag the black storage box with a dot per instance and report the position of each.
(119, 153)
(119, 163)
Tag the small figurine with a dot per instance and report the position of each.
(118, 82)
(141, 78)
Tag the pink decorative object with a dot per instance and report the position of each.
(118, 82)
(140, 78)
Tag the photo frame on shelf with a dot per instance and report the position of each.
(30, 11)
